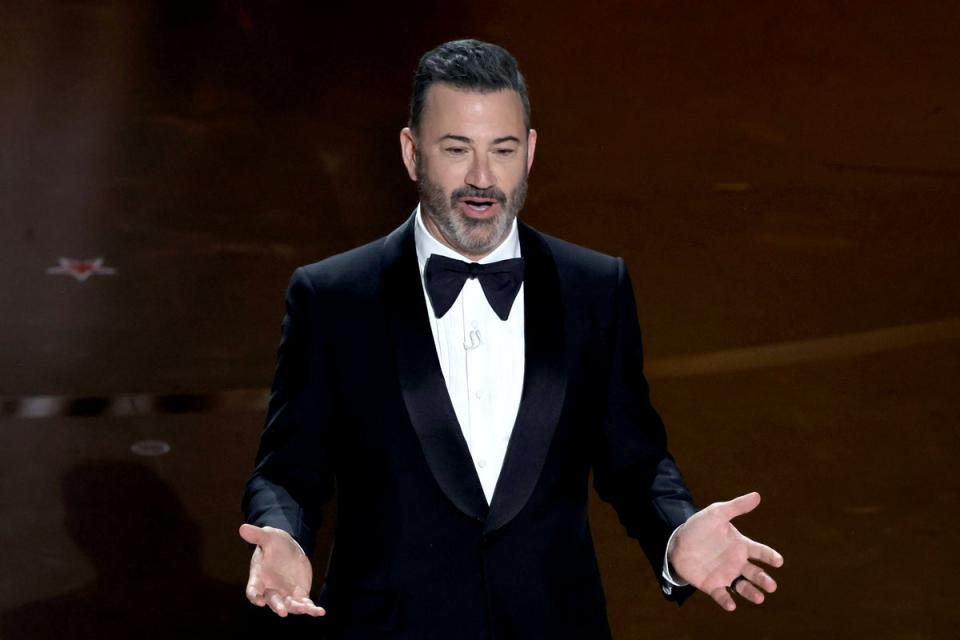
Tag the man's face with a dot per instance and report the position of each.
(470, 161)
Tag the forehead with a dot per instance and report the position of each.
(448, 109)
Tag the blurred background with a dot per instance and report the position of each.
(783, 180)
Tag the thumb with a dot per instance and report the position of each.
(739, 505)
(252, 534)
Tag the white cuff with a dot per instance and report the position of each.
(672, 581)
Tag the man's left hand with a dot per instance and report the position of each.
(709, 553)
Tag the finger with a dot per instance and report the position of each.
(251, 533)
(254, 589)
(304, 606)
(303, 610)
(739, 506)
(765, 554)
(254, 595)
(314, 611)
(723, 598)
(275, 602)
(759, 577)
(749, 591)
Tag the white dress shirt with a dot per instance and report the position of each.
(482, 359)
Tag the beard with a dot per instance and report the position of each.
(469, 236)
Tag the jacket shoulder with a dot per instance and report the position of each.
(351, 270)
(581, 264)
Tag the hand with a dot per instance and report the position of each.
(280, 573)
(709, 553)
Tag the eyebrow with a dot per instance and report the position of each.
(467, 140)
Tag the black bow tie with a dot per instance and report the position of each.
(500, 282)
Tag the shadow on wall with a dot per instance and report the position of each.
(149, 581)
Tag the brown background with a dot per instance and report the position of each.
(773, 173)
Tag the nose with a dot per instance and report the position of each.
(480, 175)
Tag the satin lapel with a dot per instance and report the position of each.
(544, 381)
(421, 380)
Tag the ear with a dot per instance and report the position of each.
(408, 149)
(531, 147)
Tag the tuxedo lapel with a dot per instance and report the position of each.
(544, 383)
(425, 392)
(421, 379)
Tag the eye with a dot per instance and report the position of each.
(456, 151)
(504, 153)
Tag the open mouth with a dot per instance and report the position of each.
(478, 205)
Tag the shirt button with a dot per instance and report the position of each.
(474, 324)
(481, 463)
(478, 395)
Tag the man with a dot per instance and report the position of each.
(457, 410)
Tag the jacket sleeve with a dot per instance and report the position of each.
(293, 475)
(632, 468)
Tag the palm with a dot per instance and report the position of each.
(281, 569)
(709, 553)
(280, 573)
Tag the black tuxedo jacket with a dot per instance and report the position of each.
(359, 408)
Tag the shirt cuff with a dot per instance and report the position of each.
(671, 580)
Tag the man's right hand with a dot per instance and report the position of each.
(280, 572)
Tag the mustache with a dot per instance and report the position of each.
(471, 192)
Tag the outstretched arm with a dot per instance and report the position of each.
(293, 475)
(709, 553)
(632, 468)
(636, 473)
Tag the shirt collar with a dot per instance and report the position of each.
(427, 245)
